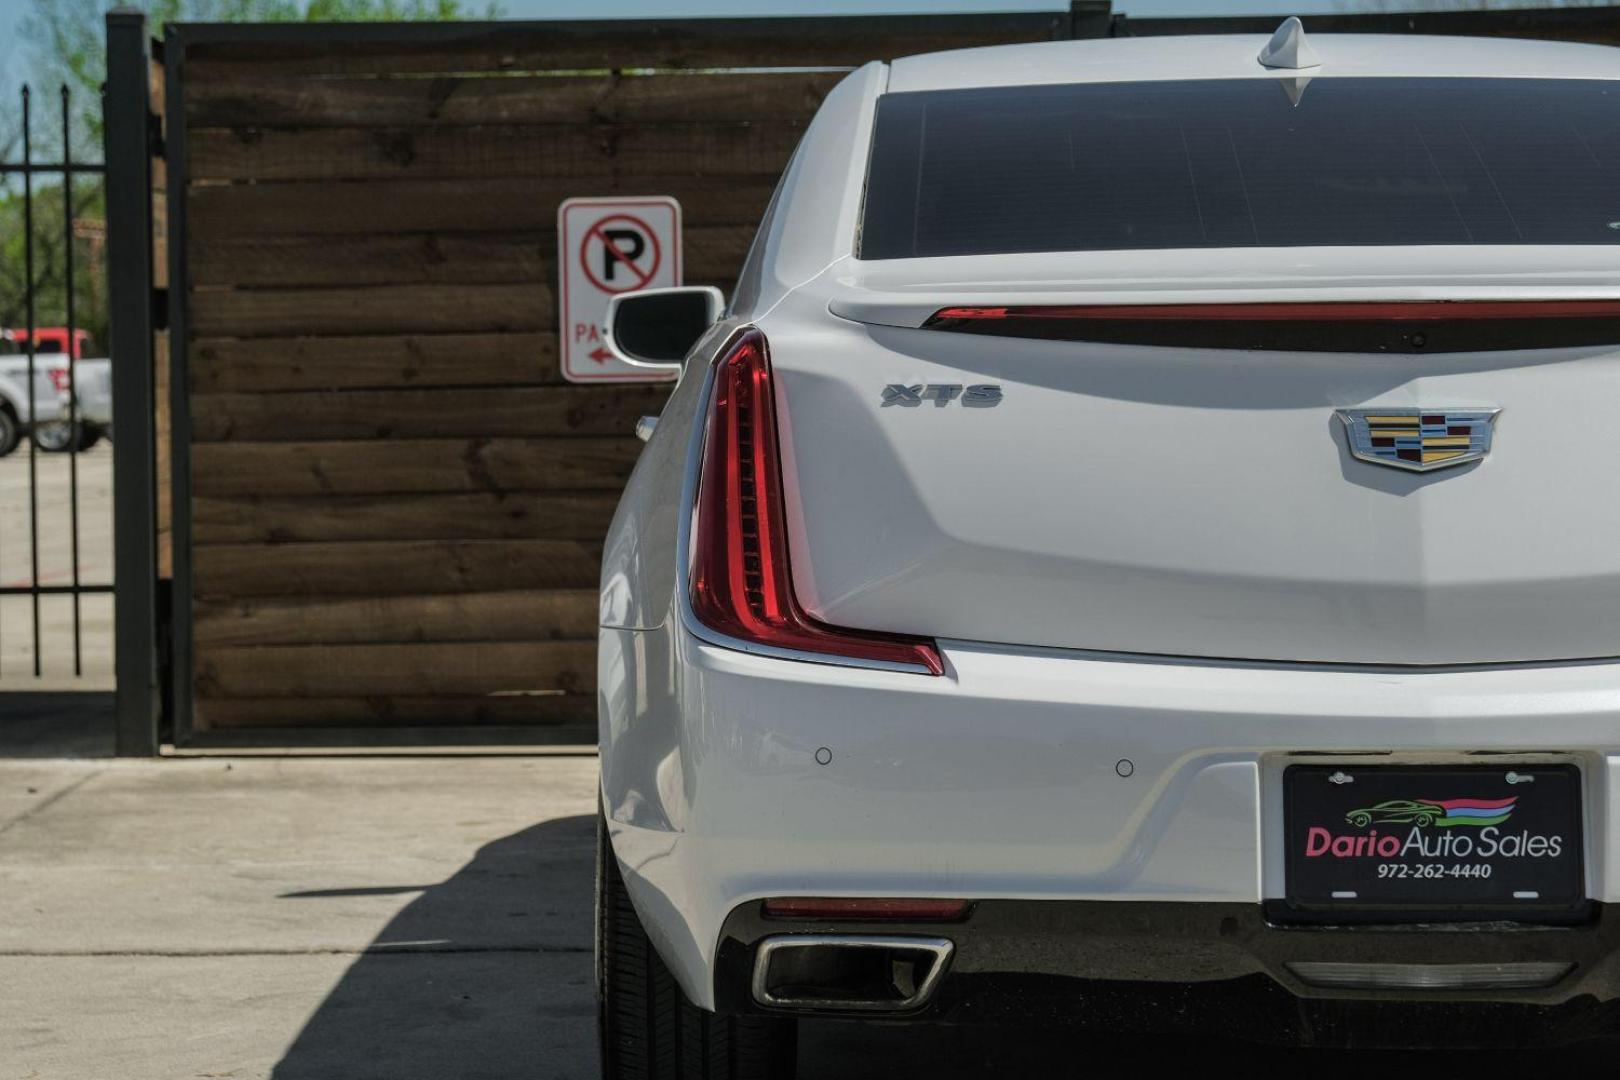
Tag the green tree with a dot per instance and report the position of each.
(50, 257)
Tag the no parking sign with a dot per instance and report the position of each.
(606, 247)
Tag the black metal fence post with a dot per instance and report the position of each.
(33, 348)
(70, 192)
(1091, 18)
(128, 118)
(178, 609)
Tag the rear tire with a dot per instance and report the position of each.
(54, 437)
(10, 432)
(649, 1030)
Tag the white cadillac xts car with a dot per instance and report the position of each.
(1144, 530)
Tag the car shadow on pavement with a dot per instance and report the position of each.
(488, 976)
(484, 976)
(856, 1052)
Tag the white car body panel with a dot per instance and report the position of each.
(1000, 781)
(1242, 550)
(821, 191)
(14, 387)
(1262, 603)
(906, 292)
(93, 388)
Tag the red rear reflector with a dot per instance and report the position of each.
(887, 909)
(741, 584)
(1351, 311)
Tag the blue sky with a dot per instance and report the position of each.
(12, 11)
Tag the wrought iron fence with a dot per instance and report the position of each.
(48, 369)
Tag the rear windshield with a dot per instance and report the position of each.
(1268, 162)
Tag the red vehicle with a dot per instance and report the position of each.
(54, 339)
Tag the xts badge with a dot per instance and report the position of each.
(981, 396)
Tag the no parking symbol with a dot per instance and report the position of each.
(606, 247)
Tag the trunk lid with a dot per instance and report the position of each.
(1180, 500)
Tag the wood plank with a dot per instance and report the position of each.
(393, 568)
(393, 309)
(497, 616)
(481, 204)
(292, 101)
(382, 362)
(397, 670)
(667, 44)
(160, 235)
(524, 515)
(574, 715)
(385, 259)
(709, 253)
(415, 414)
(156, 84)
(413, 465)
(492, 150)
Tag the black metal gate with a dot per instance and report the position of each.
(43, 339)
(133, 141)
(77, 252)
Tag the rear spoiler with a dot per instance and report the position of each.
(1347, 326)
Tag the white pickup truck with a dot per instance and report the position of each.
(45, 411)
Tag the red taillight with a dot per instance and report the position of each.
(866, 909)
(741, 583)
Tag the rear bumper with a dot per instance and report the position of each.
(1223, 968)
(1007, 779)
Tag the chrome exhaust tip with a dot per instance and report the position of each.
(849, 972)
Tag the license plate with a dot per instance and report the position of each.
(1426, 840)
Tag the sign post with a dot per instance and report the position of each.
(606, 247)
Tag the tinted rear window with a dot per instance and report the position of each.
(1236, 163)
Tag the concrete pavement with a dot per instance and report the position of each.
(50, 517)
(392, 919)
(301, 918)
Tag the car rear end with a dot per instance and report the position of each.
(85, 392)
(1171, 554)
(32, 394)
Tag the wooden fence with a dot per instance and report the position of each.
(396, 503)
